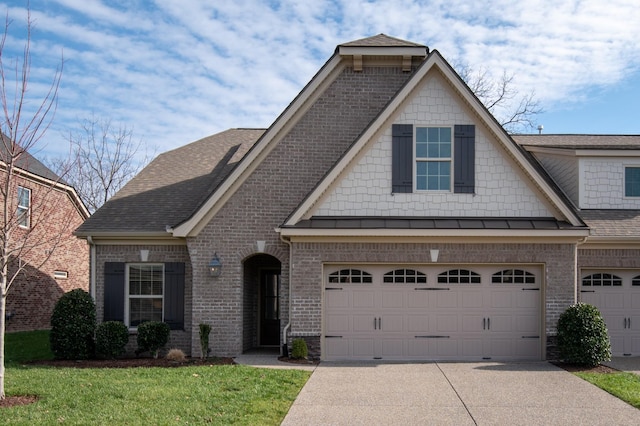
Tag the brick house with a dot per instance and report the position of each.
(49, 210)
(385, 214)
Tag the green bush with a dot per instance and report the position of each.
(205, 329)
(73, 325)
(299, 349)
(582, 336)
(152, 336)
(111, 339)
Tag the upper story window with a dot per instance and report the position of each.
(24, 207)
(433, 158)
(632, 181)
(145, 289)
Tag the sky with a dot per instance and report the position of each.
(174, 71)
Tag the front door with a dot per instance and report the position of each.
(270, 308)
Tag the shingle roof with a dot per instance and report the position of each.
(28, 162)
(172, 187)
(381, 40)
(612, 223)
(580, 141)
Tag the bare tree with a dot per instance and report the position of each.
(104, 158)
(25, 239)
(513, 112)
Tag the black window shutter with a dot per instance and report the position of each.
(401, 158)
(464, 161)
(114, 291)
(174, 295)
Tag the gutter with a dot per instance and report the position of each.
(92, 267)
(284, 350)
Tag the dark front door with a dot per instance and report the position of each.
(270, 308)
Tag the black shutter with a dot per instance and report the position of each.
(174, 295)
(114, 291)
(401, 158)
(464, 161)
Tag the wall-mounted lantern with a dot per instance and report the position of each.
(215, 266)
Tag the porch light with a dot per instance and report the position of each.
(215, 266)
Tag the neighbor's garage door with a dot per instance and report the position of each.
(617, 295)
(429, 313)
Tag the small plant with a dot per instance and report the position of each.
(299, 349)
(205, 329)
(111, 339)
(152, 336)
(73, 325)
(582, 336)
(176, 355)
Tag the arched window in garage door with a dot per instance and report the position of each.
(352, 276)
(636, 281)
(459, 276)
(513, 276)
(602, 280)
(401, 276)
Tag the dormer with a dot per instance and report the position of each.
(382, 50)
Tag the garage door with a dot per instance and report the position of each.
(397, 312)
(617, 295)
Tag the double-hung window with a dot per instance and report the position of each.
(433, 158)
(24, 207)
(145, 289)
(632, 181)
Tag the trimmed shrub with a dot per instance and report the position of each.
(152, 336)
(582, 336)
(205, 329)
(176, 355)
(111, 338)
(73, 325)
(299, 349)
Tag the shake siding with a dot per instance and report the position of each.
(272, 192)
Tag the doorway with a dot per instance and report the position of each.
(269, 308)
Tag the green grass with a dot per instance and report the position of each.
(216, 394)
(625, 386)
(27, 346)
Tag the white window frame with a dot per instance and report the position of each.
(128, 297)
(24, 211)
(624, 184)
(417, 159)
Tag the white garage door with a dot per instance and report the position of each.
(617, 295)
(397, 312)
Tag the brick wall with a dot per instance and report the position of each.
(308, 260)
(180, 339)
(50, 246)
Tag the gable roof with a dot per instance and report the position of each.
(435, 61)
(172, 187)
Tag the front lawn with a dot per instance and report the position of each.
(625, 386)
(215, 394)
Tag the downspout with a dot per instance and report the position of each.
(92, 267)
(284, 350)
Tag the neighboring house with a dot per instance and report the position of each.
(49, 210)
(384, 215)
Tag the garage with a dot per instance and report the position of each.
(616, 293)
(426, 312)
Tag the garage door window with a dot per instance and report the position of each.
(353, 276)
(636, 281)
(513, 276)
(602, 280)
(401, 276)
(459, 276)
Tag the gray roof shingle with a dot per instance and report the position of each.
(612, 223)
(381, 40)
(580, 141)
(173, 186)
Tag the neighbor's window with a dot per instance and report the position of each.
(24, 207)
(632, 181)
(433, 158)
(145, 285)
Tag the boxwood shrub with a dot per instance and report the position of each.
(152, 336)
(111, 339)
(582, 336)
(73, 325)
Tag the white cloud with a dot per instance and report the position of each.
(178, 71)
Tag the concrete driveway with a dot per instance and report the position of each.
(453, 394)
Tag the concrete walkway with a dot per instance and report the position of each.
(453, 393)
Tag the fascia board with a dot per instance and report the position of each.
(575, 234)
(198, 221)
(127, 235)
(382, 51)
(625, 153)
